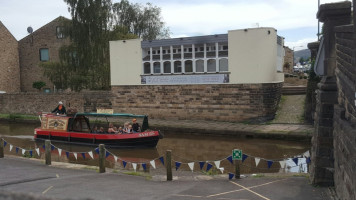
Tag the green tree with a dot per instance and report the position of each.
(38, 85)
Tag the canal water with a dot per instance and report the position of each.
(185, 149)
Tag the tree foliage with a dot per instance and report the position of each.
(85, 63)
(38, 85)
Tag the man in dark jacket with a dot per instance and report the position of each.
(60, 109)
(135, 126)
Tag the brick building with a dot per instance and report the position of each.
(41, 46)
(9, 61)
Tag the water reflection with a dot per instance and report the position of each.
(185, 149)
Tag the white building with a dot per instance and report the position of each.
(243, 56)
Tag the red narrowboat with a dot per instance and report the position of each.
(77, 129)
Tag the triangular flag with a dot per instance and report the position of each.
(221, 169)
(75, 155)
(257, 160)
(97, 150)
(124, 163)
(162, 160)
(59, 152)
(269, 163)
(282, 163)
(144, 166)
(244, 156)
(308, 160)
(191, 166)
(306, 154)
(115, 158)
(5, 143)
(201, 163)
(10, 147)
(295, 160)
(107, 154)
(134, 165)
(231, 175)
(178, 165)
(67, 154)
(153, 164)
(52, 147)
(30, 153)
(230, 159)
(44, 147)
(38, 151)
(83, 155)
(209, 166)
(217, 164)
(23, 151)
(91, 154)
(17, 150)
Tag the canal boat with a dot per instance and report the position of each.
(78, 128)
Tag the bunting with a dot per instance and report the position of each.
(201, 163)
(306, 154)
(124, 163)
(295, 160)
(257, 160)
(107, 154)
(38, 151)
(191, 166)
(162, 160)
(115, 158)
(308, 160)
(231, 175)
(59, 152)
(269, 163)
(67, 154)
(91, 154)
(282, 163)
(5, 143)
(10, 147)
(52, 147)
(217, 164)
(23, 151)
(30, 153)
(178, 165)
(244, 156)
(134, 165)
(153, 164)
(221, 169)
(83, 155)
(144, 166)
(17, 150)
(75, 155)
(209, 166)
(230, 159)
(97, 150)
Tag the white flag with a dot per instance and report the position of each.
(38, 151)
(59, 152)
(91, 154)
(221, 169)
(75, 155)
(23, 151)
(153, 163)
(115, 158)
(217, 164)
(282, 163)
(257, 160)
(306, 154)
(134, 165)
(10, 147)
(191, 166)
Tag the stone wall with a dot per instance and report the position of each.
(29, 52)
(32, 103)
(230, 102)
(9, 61)
(345, 113)
(288, 58)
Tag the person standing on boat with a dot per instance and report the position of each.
(60, 109)
(135, 126)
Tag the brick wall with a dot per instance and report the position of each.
(288, 58)
(230, 102)
(9, 61)
(29, 53)
(32, 103)
(345, 113)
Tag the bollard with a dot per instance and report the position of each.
(1, 148)
(237, 169)
(48, 152)
(101, 158)
(169, 165)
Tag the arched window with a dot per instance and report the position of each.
(157, 67)
(223, 65)
(177, 67)
(199, 65)
(146, 68)
(212, 65)
(167, 67)
(188, 66)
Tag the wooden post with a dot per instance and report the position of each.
(48, 152)
(237, 169)
(1, 148)
(169, 165)
(102, 158)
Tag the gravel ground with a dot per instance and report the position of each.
(291, 110)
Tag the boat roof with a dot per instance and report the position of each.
(110, 115)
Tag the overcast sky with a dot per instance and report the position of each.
(295, 20)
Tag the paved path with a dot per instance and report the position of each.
(25, 176)
(290, 110)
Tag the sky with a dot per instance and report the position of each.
(295, 20)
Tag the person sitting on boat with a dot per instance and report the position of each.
(111, 128)
(129, 130)
(126, 127)
(101, 130)
(60, 109)
(121, 131)
(95, 129)
(135, 126)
